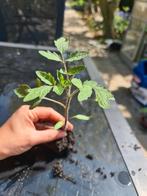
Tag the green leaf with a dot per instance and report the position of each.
(103, 96)
(38, 92)
(35, 103)
(22, 90)
(45, 77)
(77, 82)
(84, 93)
(81, 117)
(90, 83)
(50, 55)
(58, 89)
(75, 70)
(60, 78)
(62, 44)
(38, 82)
(59, 124)
(76, 56)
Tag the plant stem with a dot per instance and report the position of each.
(68, 101)
(54, 101)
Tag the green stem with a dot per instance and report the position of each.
(54, 101)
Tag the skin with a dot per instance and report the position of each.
(24, 129)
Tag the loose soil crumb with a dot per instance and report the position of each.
(104, 176)
(89, 156)
(112, 174)
(139, 169)
(133, 173)
(136, 147)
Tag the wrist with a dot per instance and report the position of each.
(3, 150)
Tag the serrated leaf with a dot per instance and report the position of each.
(50, 55)
(84, 93)
(103, 96)
(90, 83)
(77, 82)
(76, 56)
(58, 89)
(62, 44)
(45, 77)
(38, 92)
(75, 70)
(81, 117)
(22, 90)
(58, 125)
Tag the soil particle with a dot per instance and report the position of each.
(112, 174)
(98, 170)
(133, 173)
(89, 156)
(139, 169)
(136, 147)
(58, 172)
(104, 176)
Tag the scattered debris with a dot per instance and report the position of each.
(89, 156)
(133, 173)
(136, 147)
(139, 169)
(112, 174)
(104, 176)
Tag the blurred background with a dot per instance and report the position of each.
(113, 31)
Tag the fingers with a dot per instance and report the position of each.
(46, 113)
(47, 136)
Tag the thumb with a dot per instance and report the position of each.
(47, 135)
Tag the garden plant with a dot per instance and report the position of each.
(67, 84)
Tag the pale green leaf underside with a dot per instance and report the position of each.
(76, 56)
(77, 82)
(58, 89)
(38, 92)
(103, 96)
(84, 93)
(62, 44)
(58, 125)
(81, 117)
(50, 55)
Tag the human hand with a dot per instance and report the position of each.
(21, 131)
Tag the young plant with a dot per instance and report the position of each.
(65, 82)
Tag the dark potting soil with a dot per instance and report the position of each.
(62, 147)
